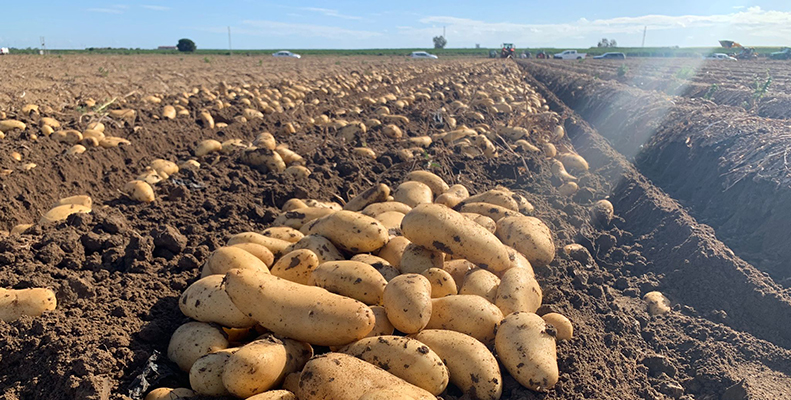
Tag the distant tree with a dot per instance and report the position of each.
(613, 43)
(186, 45)
(440, 42)
(603, 43)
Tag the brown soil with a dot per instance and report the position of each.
(118, 272)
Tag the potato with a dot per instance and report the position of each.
(529, 236)
(468, 314)
(323, 204)
(192, 341)
(439, 228)
(7, 125)
(434, 182)
(559, 171)
(291, 383)
(225, 259)
(382, 327)
(164, 166)
(351, 231)
(413, 193)
(111, 142)
(481, 282)
(472, 367)
(405, 358)
(140, 191)
(549, 150)
(286, 233)
(276, 246)
(51, 122)
(517, 261)
(206, 119)
(375, 194)
(391, 220)
(380, 265)
(205, 300)
(259, 251)
(304, 313)
(442, 283)
(76, 149)
(492, 211)
(364, 152)
(386, 394)
(337, 376)
(658, 304)
(394, 250)
(33, 302)
(207, 146)
(518, 292)
(289, 156)
(297, 172)
(421, 141)
(602, 212)
(169, 394)
(392, 131)
(354, 279)
(573, 162)
(60, 213)
(416, 259)
(169, 112)
(264, 160)
(565, 331)
(568, 188)
(20, 229)
(298, 218)
(82, 200)
(93, 134)
(375, 209)
(296, 266)
(255, 367)
(274, 395)
(321, 246)
(526, 347)
(206, 373)
(496, 197)
(407, 301)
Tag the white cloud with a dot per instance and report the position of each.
(330, 13)
(156, 8)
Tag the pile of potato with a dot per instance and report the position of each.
(403, 292)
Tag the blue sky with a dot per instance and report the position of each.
(394, 24)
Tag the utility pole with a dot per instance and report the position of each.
(230, 49)
(443, 32)
(43, 45)
(644, 29)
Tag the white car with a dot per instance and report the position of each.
(721, 56)
(4, 50)
(422, 54)
(286, 54)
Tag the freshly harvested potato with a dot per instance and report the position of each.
(549, 150)
(407, 301)
(517, 261)
(568, 188)
(7, 125)
(259, 251)
(439, 228)
(483, 221)
(351, 231)
(375, 194)
(305, 313)
(33, 302)
(93, 134)
(296, 266)
(206, 373)
(276, 246)
(353, 279)
(274, 395)
(140, 191)
(289, 156)
(481, 282)
(382, 327)
(321, 246)
(565, 331)
(364, 152)
(169, 394)
(573, 162)
(559, 171)
(496, 197)
(394, 250)
(111, 142)
(458, 269)
(205, 300)
(265, 140)
(529, 236)
(255, 367)
(82, 200)
(380, 264)
(207, 146)
(453, 196)
(442, 283)
(405, 358)
(526, 346)
(337, 376)
(430, 179)
(164, 166)
(227, 258)
(206, 119)
(286, 233)
(518, 291)
(76, 149)
(194, 340)
(169, 112)
(658, 304)
(416, 259)
(602, 212)
(61, 212)
(390, 220)
(375, 209)
(51, 122)
(20, 229)
(468, 314)
(492, 211)
(264, 160)
(392, 131)
(297, 172)
(472, 367)
(386, 394)
(413, 193)
(298, 218)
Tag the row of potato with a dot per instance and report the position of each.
(410, 290)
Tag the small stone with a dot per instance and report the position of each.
(170, 238)
(659, 364)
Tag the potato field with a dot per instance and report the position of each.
(370, 228)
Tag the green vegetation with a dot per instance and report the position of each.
(685, 73)
(623, 70)
(712, 89)
(186, 46)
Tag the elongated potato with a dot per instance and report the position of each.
(351, 231)
(382, 327)
(354, 279)
(458, 269)
(442, 283)
(529, 236)
(565, 331)
(468, 314)
(517, 261)
(298, 218)
(492, 211)
(526, 346)
(169, 394)
(472, 367)
(405, 358)
(225, 259)
(439, 228)
(482, 220)
(206, 301)
(304, 313)
(407, 301)
(207, 146)
(393, 251)
(496, 197)
(206, 373)
(376, 194)
(255, 367)
(453, 196)
(140, 191)
(481, 282)
(518, 292)
(274, 395)
(296, 266)
(82, 200)
(15, 303)
(573, 162)
(380, 265)
(413, 193)
(375, 209)
(60, 213)
(321, 246)
(417, 259)
(430, 179)
(260, 252)
(164, 166)
(391, 220)
(192, 341)
(288, 234)
(276, 246)
(337, 376)
(386, 394)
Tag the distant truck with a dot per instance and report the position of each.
(4, 50)
(569, 55)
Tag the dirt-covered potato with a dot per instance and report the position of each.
(407, 301)
(416, 259)
(430, 179)
(394, 250)
(492, 211)
(255, 367)
(442, 283)
(305, 313)
(458, 269)
(375, 209)
(390, 220)
(351, 231)
(33, 302)
(296, 266)
(481, 282)
(225, 259)
(206, 373)
(140, 191)
(285, 233)
(275, 245)
(413, 193)
(354, 279)
(495, 197)
(565, 331)
(468, 314)
(382, 326)
(169, 394)
(471, 365)
(298, 218)
(657, 303)
(453, 196)
(529, 236)
(526, 347)
(260, 252)
(274, 395)
(319, 245)
(194, 340)
(518, 291)
(380, 264)
(406, 358)
(206, 301)
(375, 194)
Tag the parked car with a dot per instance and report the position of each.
(569, 55)
(784, 54)
(721, 56)
(611, 56)
(4, 50)
(286, 54)
(422, 54)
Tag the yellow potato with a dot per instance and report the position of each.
(405, 358)
(291, 383)
(434, 182)
(391, 220)
(394, 250)
(274, 395)
(458, 269)
(297, 172)
(206, 373)
(351, 231)
(529, 236)
(255, 367)
(7, 125)
(517, 261)
(549, 150)
(265, 140)
(259, 251)
(140, 191)
(392, 131)
(321, 246)
(304, 313)
(288, 234)
(472, 367)
(170, 394)
(386, 394)
(227, 258)
(380, 264)
(164, 166)
(573, 162)
(169, 112)
(69, 136)
(51, 122)
(276, 246)
(264, 160)
(353, 279)
(111, 142)
(20, 229)
(296, 266)
(61, 212)
(496, 197)
(565, 331)
(375, 209)
(289, 157)
(375, 194)
(207, 120)
(82, 200)
(382, 326)
(300, 217)
(559, 171)
(468, 314)
(416, 259)
(568, 188)
(194, 340)
(93, 134)
(413, 193)
(407, 301)
(15, 303)
(526, 347)
(518, 292)
(442, 283)
(481, 282)
(207, 146)
(492, 211)
(205, 300)
(658, 304)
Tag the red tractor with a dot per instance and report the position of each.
(508, 51)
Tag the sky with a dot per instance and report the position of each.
(350, 24)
